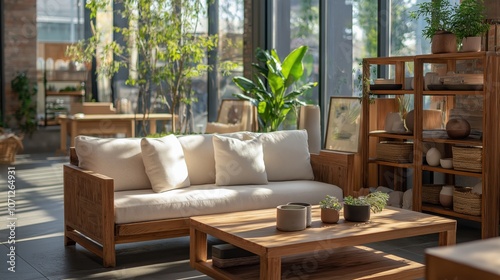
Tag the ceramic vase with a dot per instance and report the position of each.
(446, 196)
(433, 156)
(357, 213)
(308, 210)
(329, 216)
(471, 44)
(444, 42)
(394, 123)
(291, 217)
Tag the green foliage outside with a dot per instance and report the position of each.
(164, 35)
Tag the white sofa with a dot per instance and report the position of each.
(131, 189)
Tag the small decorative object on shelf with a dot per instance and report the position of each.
(330, 207)
(446, 196)
(457, 128)
(357, 209)
(433, 156)
(446, 163)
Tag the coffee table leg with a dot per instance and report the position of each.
(447, 237)
(270, 268)
(197, 247)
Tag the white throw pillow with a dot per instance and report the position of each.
(238, 162)
(164, 162)
(286, 155)
(118, 158)
(199, 156)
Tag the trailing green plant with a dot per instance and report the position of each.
(25, 114)
(438, 14)
(376, 200)
(330, 202)
(470, 19)
(274, 90)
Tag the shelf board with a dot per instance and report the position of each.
(452, 92)
(438, 209)
(66, 93)
(392, 92)
(393, 164)
(385, 134)
(451, 171)
(468, 142)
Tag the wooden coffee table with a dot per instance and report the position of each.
(323, 251)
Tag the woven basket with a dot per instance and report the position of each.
(466, 202)
(400, 152)
(467, 158)
(430, 193)
(9, 145)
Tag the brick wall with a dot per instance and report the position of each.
(19, 45)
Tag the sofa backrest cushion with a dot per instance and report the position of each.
(286, 155)
(199, 154)
(238, 162)
(164, 162)
(118, 158)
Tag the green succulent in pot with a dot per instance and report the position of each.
(330, 207)
(274, 89)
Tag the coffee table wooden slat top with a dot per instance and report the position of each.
(256, 231)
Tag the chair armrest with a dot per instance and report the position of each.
(334, 168)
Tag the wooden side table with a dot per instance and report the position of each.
(471, 260)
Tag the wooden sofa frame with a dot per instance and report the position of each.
(89, 218)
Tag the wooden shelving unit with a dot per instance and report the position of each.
(489, 65)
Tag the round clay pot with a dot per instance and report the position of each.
(446, 196)
(329, 216)
(357, 213)
(444, 42)
(471, 44)
(457, 128)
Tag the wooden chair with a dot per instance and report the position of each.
(233, 116)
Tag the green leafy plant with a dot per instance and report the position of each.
(376, 200)
(26, 113)
(438, 14)
(469, 19)
(274, 90)
(330, 202)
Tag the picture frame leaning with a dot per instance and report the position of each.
(344, 124)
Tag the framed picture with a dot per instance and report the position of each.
(344, 123)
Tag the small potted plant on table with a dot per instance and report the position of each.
(330, 207)
(357, 209)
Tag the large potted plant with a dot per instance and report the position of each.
(357, 209)
(470, 24)
(25, 114)
(439, 16)
(274, 90)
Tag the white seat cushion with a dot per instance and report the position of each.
(146, 205)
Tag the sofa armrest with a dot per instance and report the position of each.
(335, 168)
(88, 204)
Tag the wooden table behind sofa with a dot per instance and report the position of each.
(104, 124)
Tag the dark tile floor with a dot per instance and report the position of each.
(40, 253)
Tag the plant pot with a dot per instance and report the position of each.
(471, 44)
(291, 217)
(357, 213)
(444, 42)
(330, 216)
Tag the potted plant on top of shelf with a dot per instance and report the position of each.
(469, 24)
(330, 207)
(357, 209)
(439, 16)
